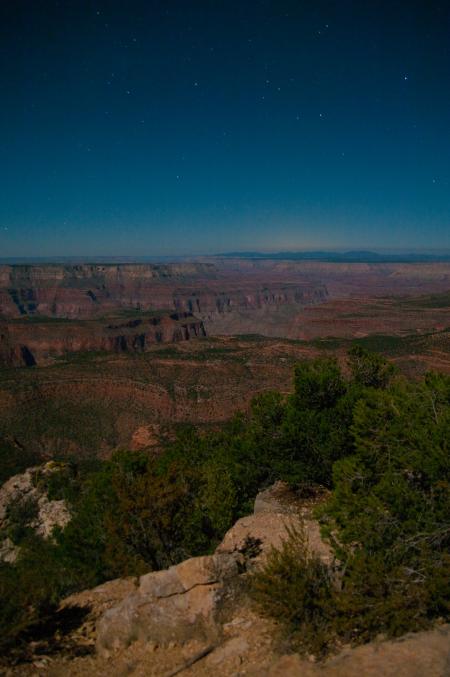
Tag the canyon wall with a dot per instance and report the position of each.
(86, 291)
(27, 343)
(49, 310)
(75, 291)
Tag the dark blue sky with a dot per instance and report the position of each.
(174, 127)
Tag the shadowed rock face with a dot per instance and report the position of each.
(27, 343)
(83, 291)
(185, 301)
(88, 290)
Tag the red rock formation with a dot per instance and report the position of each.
(83, 291)
(88, 290)
(26, 343)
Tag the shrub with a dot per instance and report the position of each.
(30, 589)
(295, 588)
(369, 369)
(20, 513)
(390, 510)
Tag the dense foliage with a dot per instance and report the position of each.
(388, 518)
(377, 441)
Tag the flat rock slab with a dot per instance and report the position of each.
(425, 654)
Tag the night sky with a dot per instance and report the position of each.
(181, 127)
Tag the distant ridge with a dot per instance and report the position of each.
(342, 257)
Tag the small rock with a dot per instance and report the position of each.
(234, 648)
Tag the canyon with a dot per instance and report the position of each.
(84, 291)
(50, 310)
(99, 357)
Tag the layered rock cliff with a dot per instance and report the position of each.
(27, 343)
(186, 300)
(87, 291)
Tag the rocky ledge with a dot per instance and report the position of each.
(194, 618)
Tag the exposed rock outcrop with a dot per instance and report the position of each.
(184, 601)
(276, 509)
(21, 490)
(176, 604)
(189, 617)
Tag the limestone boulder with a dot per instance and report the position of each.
(276, 510)
(183, 602)
(177, 604)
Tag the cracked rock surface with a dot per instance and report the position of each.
(176, 604)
